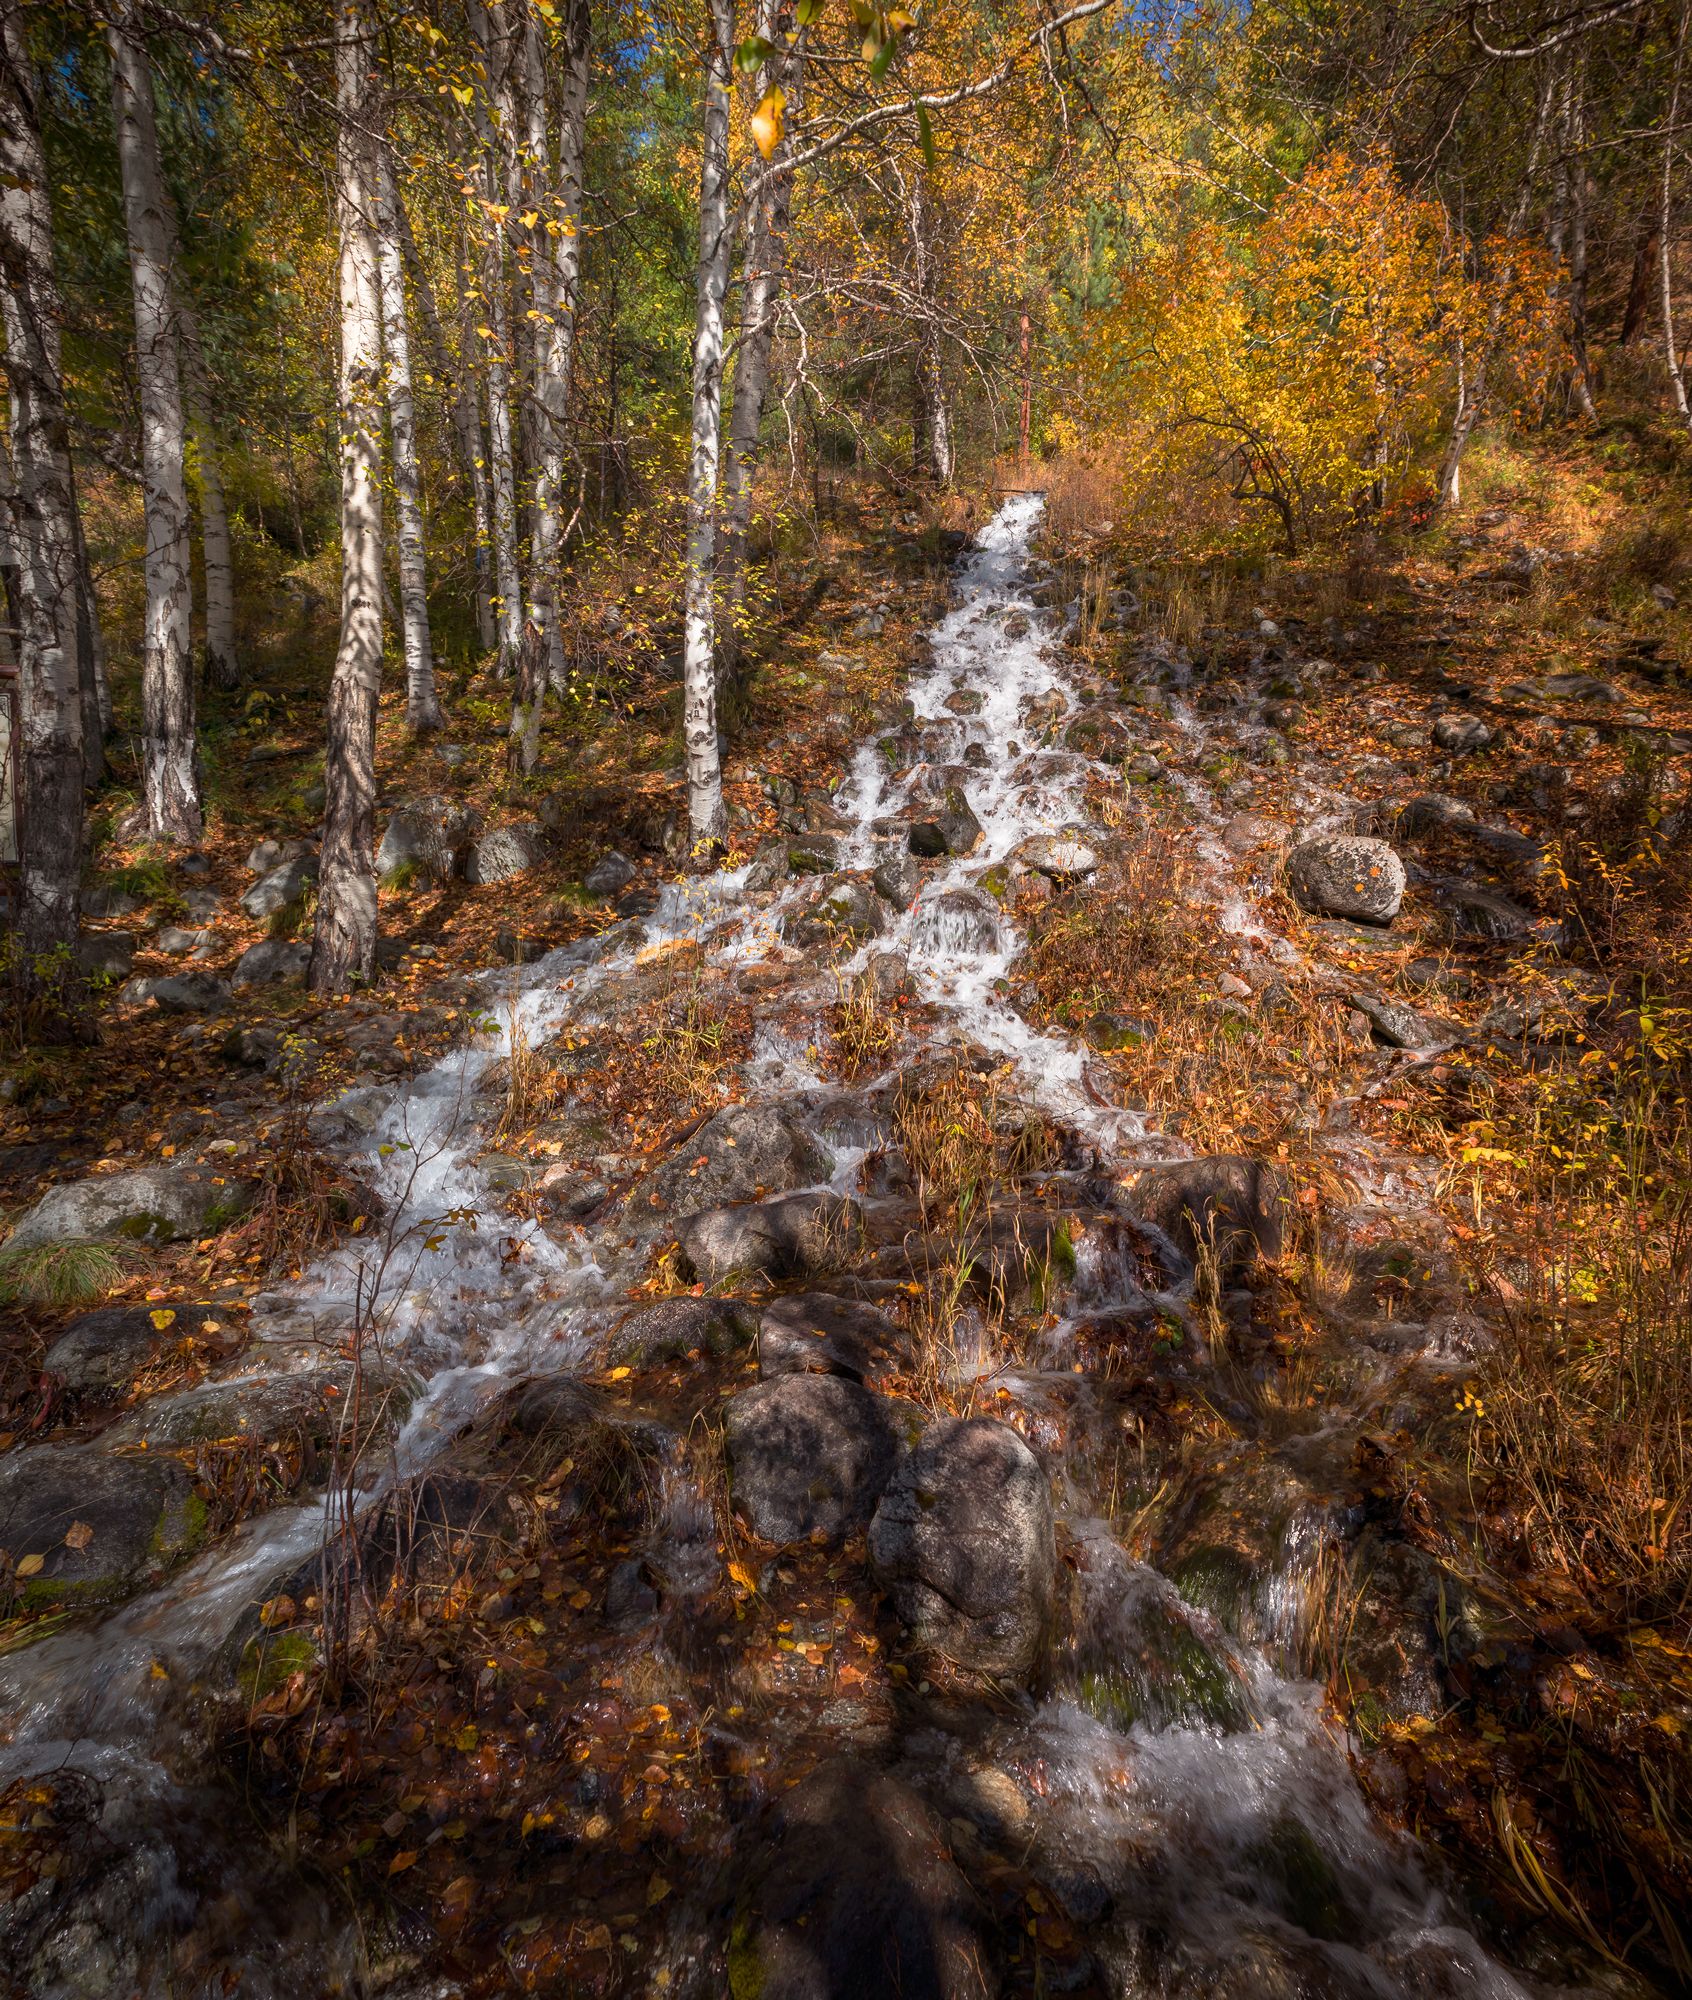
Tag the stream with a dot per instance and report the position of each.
(1171, 1782)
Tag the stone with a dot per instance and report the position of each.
(177, 943)
(1111, 1032)
(671, 1329)
(253, 1048)
(271, 962)
(1246, 831)
(503, 853)
(944, 822)
(817, 1333)
(180, 993)
(1462, 735)
(847, 912)
(768, 865)
(146, 1205)
(609, 876)
(1576, 687)
(103, 903)
(281, 887)
(106, 1348)
(963, 1544)
(856, 1895)
(1062, 857)
(813, 854)
(1347, 875)
(142, 1514)
(1226, 1200)
(427, 833)
(741, 1154)
(202, 905)
(106, 954)
(310, 1407)
(1401, 1027)
(809, 1456)
(269, 854)
(795, 1236)
(897, 875)
(1484, 913)
(957, 921)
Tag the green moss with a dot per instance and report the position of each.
(1217, 1579)
(1308, 1890)
(1168, 1676)
(271, 1659)
(997, 883)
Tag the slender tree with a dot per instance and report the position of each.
(169, 771)
(223, 666)
(344, 946)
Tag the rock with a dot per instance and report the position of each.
(816, 1333)
(1576, 687)
(253, 1048)
(793, 1237)
(310, 1408)
(1232, 987)
(1484, 913)
(1401, 1027)
(768, 865)
(963, 1544)
(859, 1897)
(957, 920)
(147, 1205)
(1102, 734)
(1062, 857)
(181, 993)
(106, 954)
(1462, 735)
(140, 1514)
(897, 875)
(280, 887)
(609, 876)
(1228, 1200)
(177, 943)
(670, 1329)
(427, 833)
(202, 905)
(272, 854)
(1143, 768)
(1112, 1032)
(847, 912)
(887, 975)
(944, 821)
(809, 1455)
(966, 701)
(105, 903)
(1347, 875)
(741, 1154)
(1433, 975)
(813, 854)
(106, 1348)
(1246, 831)
(503, 853)
(271, 962)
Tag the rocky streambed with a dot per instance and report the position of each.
(869, 1542)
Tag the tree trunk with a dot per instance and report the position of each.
(707, 817)
(343, 949)
(1025, 409)
(223, 666)
(522, 748)
(1642, 284)
(91, 650)
(422, 708)
(936, 427)
(763, 274)
(1665, 203)
(1584, 393)
(50, 762)
(169, 773)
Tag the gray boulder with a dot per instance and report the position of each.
(1484, 913)
(797, 1236)
(741, 1154)
(106, 954)
(427, 833)
(1461, 734)
(957, 920)
(1347, 875)
(1401, 1027)
(269, 855)
(848, 911)
(1576, 687)
(106, 1348)
(127, 1518)
(148, 1205)
(180, 993)
(1226, 1200)
(1062, 856)
(809, 1456)
(280, 887)
(815, 1333)
(670, 1329)
(897, 876)
(271, 962)
(609, 876)
(503, 853)
(813, 853)
(175, 942)
(963, 1544)
(943, 820)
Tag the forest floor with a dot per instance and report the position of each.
(1466, 1351)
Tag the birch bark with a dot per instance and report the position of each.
(223, 667)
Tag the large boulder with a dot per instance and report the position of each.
(1225, 1201)
(809, 1455)
(269, 854)
(506, 851)
(797, 1236)
(847, 911)
(271, 962)
(609, 876)
(817, 1333)
(741, 1154)
(957, 921)
(108, 1347)
(280, 887)
(669, 1329)
(897, 875)
(859, 1897)
(1061, 856)
(943, 821)
(963, 1544)
(429, 834)
(180, 993)
(147, 1205)
(101, 1524)
(106, 954)
(1347, 875)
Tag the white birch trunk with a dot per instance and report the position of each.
(1665, 211)
(344, 944)
(223, 667)
(169, 773)
(706, 815)
(422, 708)
(50, 578)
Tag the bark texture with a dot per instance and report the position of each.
(223, 666)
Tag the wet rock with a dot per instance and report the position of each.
(963, 1544)
(429, 834)
(1112, 1032)
(1576, 687)
(768, 866)
(1225, 1200)
(252, 1048)
(630, 1599)
(503, 853)
(888, 976)
(1247, 831)
(279, 888)
(796, 1236)
(669, 1329)
(1433, 975)
(817, 1333)
(809, 1455)
(859, 1898)
(106, 1348)
(740, 1154)
(1485, 913)
(272, 854)
(126, 1519)
(1102, 734)
(1461, 735)
(106, 955)
(898, 874)
(271, 962)
(147, 1205)
(966, 701)
(813, 854)
(1062, 857)
(1401, 1027)
(957, 920)
(944, 820)
(1347, 875)
(609, 876)
(312, 1409)
(847, 912)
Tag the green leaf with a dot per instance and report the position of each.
(752, 54)
(925, 135)
(807, 11)
(882, 60)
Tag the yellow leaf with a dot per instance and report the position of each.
(743, 1575)
(162, 1318)
(31, 1565)
(529, 217)
(617, 1374)
(466, 1739)
(766, 121)
(402, 1860)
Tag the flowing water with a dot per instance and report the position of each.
(1188, 1804)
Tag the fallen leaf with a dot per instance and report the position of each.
(402, 1860)
(31, 1565)
(78, 1535)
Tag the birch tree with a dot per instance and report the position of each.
(422, 707)
(169, 772)
(50, 578)
(223, 667)
(344, 945)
